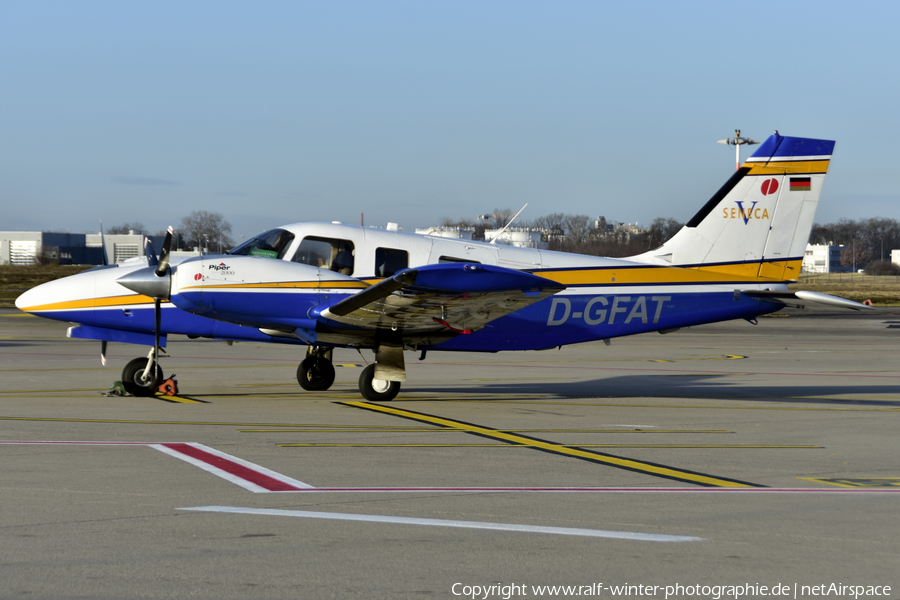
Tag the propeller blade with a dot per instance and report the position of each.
(164, 254)
(103, 245)
(150, 252)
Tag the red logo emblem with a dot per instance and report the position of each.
(769, 186)
(198, 277)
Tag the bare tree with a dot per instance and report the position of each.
(206, 230)
(854, 255)
(578, 230)
(873, 238)
(661, 230)
(125, 228)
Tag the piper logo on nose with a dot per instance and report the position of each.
(221, 269)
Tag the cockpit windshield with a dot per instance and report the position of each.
(271, 244)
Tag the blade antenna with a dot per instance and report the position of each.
(505, 227)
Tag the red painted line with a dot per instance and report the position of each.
(264, 481)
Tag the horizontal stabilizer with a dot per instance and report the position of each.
(803, 299)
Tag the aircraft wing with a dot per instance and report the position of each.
(803, 299)
(452, 297)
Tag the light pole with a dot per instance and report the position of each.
(737, 141)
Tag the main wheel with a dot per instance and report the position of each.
(377, 390)
(132, 378)
(315, 374)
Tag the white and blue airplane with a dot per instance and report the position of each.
(330, 285)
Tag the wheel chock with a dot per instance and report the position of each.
(169, 387)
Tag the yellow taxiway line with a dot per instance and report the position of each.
(546, 446)
(512, 445)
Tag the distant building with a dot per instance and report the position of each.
(36, 247)
(459, 233)
(895, 257)
(122, 246)
(823, 258)
(521, 237)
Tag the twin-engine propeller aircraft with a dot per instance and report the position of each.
(333, 285)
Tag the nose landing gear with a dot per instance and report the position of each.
(142, 376)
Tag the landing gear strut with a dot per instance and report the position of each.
(316, 373)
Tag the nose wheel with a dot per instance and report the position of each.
(137, 381)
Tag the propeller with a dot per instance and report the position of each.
(154, 281)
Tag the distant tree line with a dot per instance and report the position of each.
(201, 229)
(868, 242)
(577, 233)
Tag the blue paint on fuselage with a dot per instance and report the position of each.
(555, 321)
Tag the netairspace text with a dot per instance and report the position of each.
(715, 592)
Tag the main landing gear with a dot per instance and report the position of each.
(377, 390)
(316, 373)
(378, 382)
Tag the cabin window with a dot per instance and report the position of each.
(271, 244)
(327, 253)
(389, 261)
(453, 259)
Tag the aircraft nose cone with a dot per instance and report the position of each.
(29, 299)
(145, 281)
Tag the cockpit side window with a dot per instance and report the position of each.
(328, 253)
(389, 261)
(271, 244)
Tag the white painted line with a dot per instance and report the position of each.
(619, 535)
(246, 474)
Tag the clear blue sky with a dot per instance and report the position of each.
(277, 112)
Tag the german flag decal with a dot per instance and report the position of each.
(801, 184)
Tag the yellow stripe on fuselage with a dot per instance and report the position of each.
(787, 167)
(749, 272)
(110, 302)
(329, 285)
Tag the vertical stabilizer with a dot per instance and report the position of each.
(758, 223)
